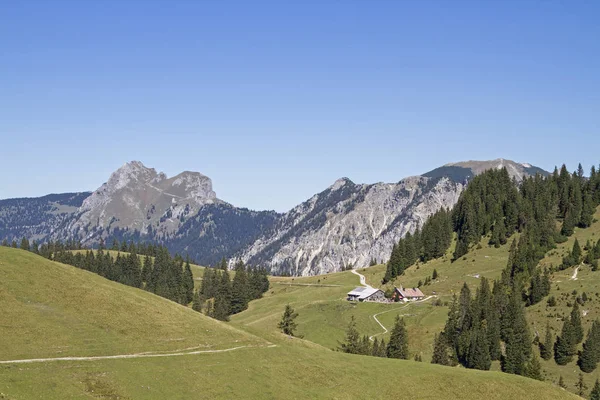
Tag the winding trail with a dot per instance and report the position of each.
(122, 356)
(385, 330)
(574, 276)
(363, 280)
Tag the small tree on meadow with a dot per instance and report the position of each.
(288, 321)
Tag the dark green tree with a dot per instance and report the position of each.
(288, 324)
(546, 346)
(352, 343)
(398, 344)
(595, 394)
(590, 355)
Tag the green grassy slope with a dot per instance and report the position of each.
(324, 314)
(54, 310)
(292, 370)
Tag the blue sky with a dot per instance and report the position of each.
(276, 100)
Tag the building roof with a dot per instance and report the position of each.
(414, 292)
(363, 292)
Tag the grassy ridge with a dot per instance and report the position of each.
(55, 310)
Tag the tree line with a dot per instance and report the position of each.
(219, 296)
(397, 347)
(427, 244)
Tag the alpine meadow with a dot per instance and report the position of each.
(299, 200)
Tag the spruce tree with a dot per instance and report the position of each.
(288, 321)
(534, 368)
(440, 350)
(375, 348)
(240, 289)
(188, 283)
(518, 338)
(565, 345)
(576, 252)
(590, 355)
(24, 244)
(595, 394)
(398, 344)
(478, 356)
(352, 343)
(576, 323)
(546, 346)
(197, 302)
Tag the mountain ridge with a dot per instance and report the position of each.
(346, 224)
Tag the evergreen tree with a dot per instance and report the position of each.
(534, 368)
(197, 301)
(478, 356)
(240, 289)
(561, 382)
(576, 323)
(288, 321)
(398, 344)
(576, 253)
(375, 348)
(434, 275)
(24, 244)
(590, 356)
(518, 338)
(352, 343)
(565, 345)
(188, 283)
(440, 350)
(595, 394)
(546, 346)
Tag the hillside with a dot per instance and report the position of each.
(63, 311)
(55, 310)
(324, 313)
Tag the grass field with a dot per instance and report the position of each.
(54, 310)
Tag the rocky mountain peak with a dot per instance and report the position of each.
(338, 184)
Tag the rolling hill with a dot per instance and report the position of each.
(56, 311)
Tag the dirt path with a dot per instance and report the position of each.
(385, 330)
(305, 284)
(363, 280)
(122, 356)
(574, 276)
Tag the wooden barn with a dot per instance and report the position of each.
(402, 294)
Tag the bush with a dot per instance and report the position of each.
(551, 301)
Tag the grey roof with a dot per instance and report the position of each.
(363, 292)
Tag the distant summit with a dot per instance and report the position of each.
(464, 170)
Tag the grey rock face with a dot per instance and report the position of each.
(350, 224)
(138, 198)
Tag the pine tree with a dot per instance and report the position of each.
(24, 244)
(375, 348)
(518, 338)
(240, 288)
(434, 275)
(590, 355)
(576, 253)
(595, 394)
(188, 283)
(398, 344)
(478, 356)
(565, 345)
(440, 350)
(197, 302)
(534, 368)
(576, 323)
(352, 343)
(546, 347)
(288, 321)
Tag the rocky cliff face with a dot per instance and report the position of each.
(349, 224)
(137, 198)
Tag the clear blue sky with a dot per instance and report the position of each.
(276, 100)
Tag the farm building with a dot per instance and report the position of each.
(362, 293)
(402, 294)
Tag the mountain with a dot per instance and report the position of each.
(36, 218)
(346, 224)
(350, 224)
